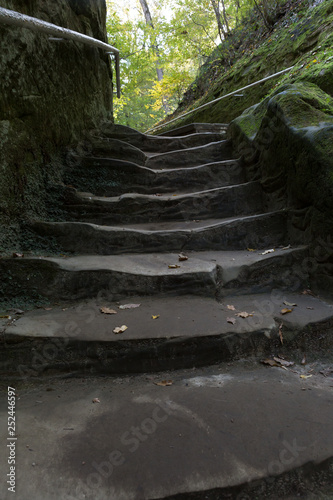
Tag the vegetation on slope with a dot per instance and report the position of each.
(301, 37)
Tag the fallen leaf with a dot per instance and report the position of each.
(286, 311)
(231, 307)
(283, 361)
(164, 383)
(307, 292)
(182, 257)
(244, 314)
(107, 310)
(18, 255)
(155, 317)
(326, 372)
(129, 306)
(251, 249)
(267, 251)
(231, 320)
(305, 376)
(173, 266)
(303, 362)
(16, 311)
(280, 333)
(47, 308)
(290, 304)
(96, 400)
(286, 248)
(309, 307)
(120, 329)
(269, 362)
(5, 316)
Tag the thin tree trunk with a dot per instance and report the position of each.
(262, 14)
(216, 7)
(159, 70)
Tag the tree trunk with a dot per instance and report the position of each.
(159, 70)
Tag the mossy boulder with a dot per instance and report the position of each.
(286, 141)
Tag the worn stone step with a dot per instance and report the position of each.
(135, 207)
(155, 143)
(240, 431)
(162, 333)
(204, 273)
(109, 177)
(256, 231)
(192, 157)
(195, 128)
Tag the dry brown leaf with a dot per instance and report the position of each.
(182, 257)
(290, 304)
(173, 266)
(129, 306)
(251, 249)
(107, 310)
(280, 333)
(155, 316)
(269, 362)
(96, 400)
(164, 383)
(231, 307)
(120, 329)
(47, 308)
(231, 320)
(286, 311)
(286, 248)
(18, 255)
(5, 316)
(283, 361)
(308, 292)
(244, 314)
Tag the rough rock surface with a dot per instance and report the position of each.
(51, 92)
(286, 141)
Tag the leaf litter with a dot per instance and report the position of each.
(107, 310)
(120, 329)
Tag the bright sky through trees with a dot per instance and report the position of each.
(180, 38)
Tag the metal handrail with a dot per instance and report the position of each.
(33, 23)
(219, 99)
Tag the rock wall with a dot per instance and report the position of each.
(51, 93)
(286, 142)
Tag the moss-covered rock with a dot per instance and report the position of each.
(287, 142)
(51, 93)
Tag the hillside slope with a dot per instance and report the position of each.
(301, 37)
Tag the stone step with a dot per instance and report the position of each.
(195, 128)
(256, 231)
(204, 273)
(110, 177)
(162, 333)
(192, 157)
(240, 431)
(135, 207)
(155, 143)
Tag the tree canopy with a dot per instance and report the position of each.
(162, 44)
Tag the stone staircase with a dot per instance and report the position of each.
(161, 221)
(167, 238)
